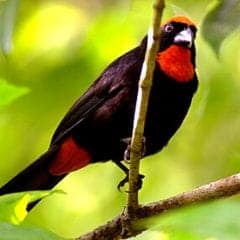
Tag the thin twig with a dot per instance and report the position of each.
(215, 190)
(145, 84)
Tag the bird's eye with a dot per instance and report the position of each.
(169, 28)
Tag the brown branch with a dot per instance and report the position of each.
(222, 188)
(145, 84)
(215, 190)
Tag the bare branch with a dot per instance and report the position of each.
(222, 188)
(145, 84)
(215, 190)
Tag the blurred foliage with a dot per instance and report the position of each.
(53, 50)
(212, 221)
(13, 207)
(13, 232)
(8, 17)
(221, 21)
(10, 92)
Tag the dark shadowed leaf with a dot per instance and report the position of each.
(222, 20)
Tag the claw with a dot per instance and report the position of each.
(140, 181)
(126, 180)
(126, 155)
(122, 183)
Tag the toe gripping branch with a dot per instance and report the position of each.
(127, 159)
(126, 179)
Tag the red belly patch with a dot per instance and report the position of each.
(70, 157)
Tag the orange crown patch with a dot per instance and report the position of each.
(181, 19)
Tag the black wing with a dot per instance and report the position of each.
(120, 76)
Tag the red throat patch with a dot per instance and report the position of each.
(176, 63)
(70, 157)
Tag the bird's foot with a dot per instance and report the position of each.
(126, 180)
(127, 152)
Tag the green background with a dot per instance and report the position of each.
(53, 50)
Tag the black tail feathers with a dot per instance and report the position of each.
(34, 177)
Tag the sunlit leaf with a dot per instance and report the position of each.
(13, 207)
(10, 92)
(222, 19)
(13, 232)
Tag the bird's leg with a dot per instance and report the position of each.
(126, 159)
(126, 179)
(127, 141)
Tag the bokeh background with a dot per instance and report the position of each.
(51, 51)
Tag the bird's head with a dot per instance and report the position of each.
(178, 30)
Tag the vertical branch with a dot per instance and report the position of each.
(145, 84)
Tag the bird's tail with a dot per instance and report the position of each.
(36, 176)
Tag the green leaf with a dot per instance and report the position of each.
(10, 92)
(13, 232)
(221, 20)
(151, 234)
(13, 207)
(216, 221)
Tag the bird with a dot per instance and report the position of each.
(96, 127)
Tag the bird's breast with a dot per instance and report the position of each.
(176, 63)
